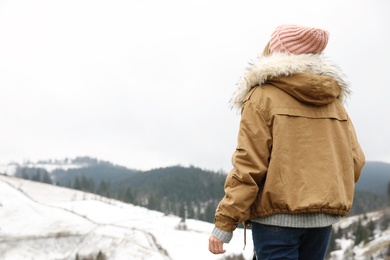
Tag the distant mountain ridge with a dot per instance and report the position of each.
(374, 178)
(70, 224)
(171, 188)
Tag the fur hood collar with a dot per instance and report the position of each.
(281, 64)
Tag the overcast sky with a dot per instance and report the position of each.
(146, 83)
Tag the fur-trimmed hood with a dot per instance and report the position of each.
(281, 64)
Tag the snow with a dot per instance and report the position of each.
(49, 167)
(42, 221)
(9, 169)
(382, 241)
(376, 248)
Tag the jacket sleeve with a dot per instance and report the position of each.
(250, 163)
(358, 156)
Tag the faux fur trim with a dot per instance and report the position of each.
(282, 64)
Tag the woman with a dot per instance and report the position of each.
(297, 158)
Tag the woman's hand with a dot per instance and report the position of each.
(215, 246)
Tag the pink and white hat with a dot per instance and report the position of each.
(295, 39)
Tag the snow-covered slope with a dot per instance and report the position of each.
(377, 245)
(40, 221)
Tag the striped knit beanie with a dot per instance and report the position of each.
(295, 39)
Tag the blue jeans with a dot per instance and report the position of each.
(272, 242)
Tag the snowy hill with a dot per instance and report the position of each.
(376, 245)
(40, 221)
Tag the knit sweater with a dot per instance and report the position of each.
(306, 220)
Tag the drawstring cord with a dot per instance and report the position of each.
(246, 224)
(244, 236)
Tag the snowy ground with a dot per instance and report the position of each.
(40, 221)
(376, 248)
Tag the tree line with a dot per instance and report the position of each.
(185, 192)
(188, 192)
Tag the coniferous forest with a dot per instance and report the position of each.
(192, 192)
(188, 192)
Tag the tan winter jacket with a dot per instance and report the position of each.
(297, 150)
